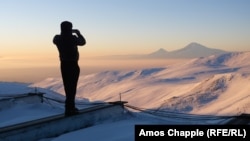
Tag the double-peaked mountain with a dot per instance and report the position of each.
(192, 50)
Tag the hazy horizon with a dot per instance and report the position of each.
(87, 66)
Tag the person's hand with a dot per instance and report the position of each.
(76, 31)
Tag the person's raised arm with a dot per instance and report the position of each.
(80, 39)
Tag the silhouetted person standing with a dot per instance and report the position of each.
(67, 44)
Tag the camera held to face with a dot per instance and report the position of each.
(76, 31)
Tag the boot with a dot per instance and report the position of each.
(71, 110)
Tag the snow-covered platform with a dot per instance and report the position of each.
(55, 125)
(30, 98)
(243, 119)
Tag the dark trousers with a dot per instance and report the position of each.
(70, 73)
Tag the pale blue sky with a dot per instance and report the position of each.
(124, 26)
(114, 27)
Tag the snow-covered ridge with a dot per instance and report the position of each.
(235, 59)
(190, 87)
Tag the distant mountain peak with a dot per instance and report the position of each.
(161, 50)
(194, 50)
(159, 53)
(194, 45)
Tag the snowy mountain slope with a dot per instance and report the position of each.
(235, 59)
(214, 85)
(197, 86)
(221, 91)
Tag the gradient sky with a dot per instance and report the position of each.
(116, 27)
